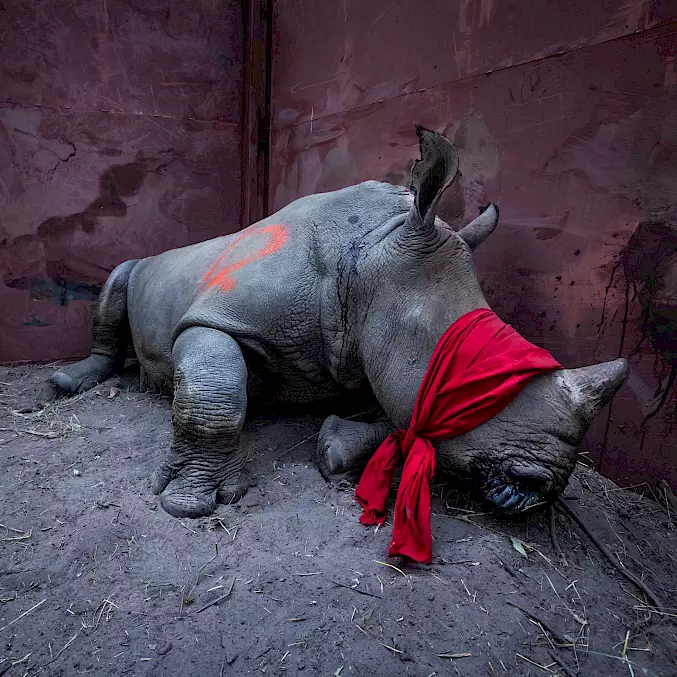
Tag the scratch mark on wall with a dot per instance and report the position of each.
(670, 79)
(377, 19)
(486, 12)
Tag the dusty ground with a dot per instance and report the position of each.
(96, 579)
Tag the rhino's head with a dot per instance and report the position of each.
(425, 281)
(523, 456)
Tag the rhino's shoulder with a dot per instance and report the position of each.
(370, 191)
(369, 200)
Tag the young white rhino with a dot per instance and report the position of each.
(336, 292)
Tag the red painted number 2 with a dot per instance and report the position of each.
(273, 238)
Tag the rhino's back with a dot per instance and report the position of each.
(263, 285)
(339, 216)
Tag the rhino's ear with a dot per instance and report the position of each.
(478, 231)
(590, 388)
(430, 177)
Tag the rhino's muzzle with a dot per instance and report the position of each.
(520, 489)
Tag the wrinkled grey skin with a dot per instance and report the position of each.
(364, 287)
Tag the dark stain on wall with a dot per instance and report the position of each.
(648, 266)
(649, 263)
(71, 279)
(58, 290)
(35, 322)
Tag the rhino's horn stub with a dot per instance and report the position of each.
(432, 174)
(591, 388)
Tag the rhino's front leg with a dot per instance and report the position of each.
(343, 447)
(206, 462)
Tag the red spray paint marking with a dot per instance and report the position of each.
(276, 237)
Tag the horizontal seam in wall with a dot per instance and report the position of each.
(656, 29)
(72, 109)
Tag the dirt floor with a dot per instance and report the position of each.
(96, 579)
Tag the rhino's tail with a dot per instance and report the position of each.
(110, 340)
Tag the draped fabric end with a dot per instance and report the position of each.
(478, 367)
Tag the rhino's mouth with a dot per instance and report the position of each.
(512, 496)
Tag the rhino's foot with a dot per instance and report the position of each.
(343, 447)
(206, 462)
(56, 386)
(194, 489)
(75, 379)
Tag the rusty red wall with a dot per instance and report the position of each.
(565, 113)
(120, 137)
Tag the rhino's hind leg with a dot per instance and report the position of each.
(344, 447)
(206, 462)
(110, 339)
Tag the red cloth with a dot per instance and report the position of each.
(479, 366)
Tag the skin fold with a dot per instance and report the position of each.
(336, 293)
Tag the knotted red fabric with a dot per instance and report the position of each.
(479, 366)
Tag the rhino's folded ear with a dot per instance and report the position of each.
(430, 177)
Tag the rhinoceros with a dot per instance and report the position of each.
(336, 293)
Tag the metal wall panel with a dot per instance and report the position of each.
(565, 115)
(120, 137)
(332, 56)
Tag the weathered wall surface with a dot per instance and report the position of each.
(120, 137)
(565, 113)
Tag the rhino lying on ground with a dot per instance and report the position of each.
(336, 292)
